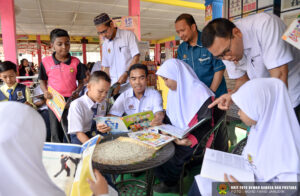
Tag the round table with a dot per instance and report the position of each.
(133, 186)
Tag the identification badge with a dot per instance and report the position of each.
(20, 95)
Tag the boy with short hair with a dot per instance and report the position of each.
(12, 90)
(60, 71)
(81, 125)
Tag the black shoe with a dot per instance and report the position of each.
(163, 188)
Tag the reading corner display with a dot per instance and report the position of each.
(133, 122)
(69, 165)
(216, 163)
(122, 151)
(57, 103)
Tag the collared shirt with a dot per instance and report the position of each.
(264, 50)
(129, 104)
(63, 76)
(203, 63)
(117, 54)
(4, 88)
(80, 115)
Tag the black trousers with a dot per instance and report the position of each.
(57, 133)
(169, 173)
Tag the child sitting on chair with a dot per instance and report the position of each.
(187, 103)
(81, 125)
(273, 144)
(12, 90)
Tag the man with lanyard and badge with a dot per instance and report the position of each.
(209, 70)
(119, 50)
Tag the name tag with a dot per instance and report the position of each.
(203, 59)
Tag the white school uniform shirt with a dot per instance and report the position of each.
(264, 50)
(129, 104)
(80, 115)
(117, 54)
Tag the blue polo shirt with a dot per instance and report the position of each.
(203, 63)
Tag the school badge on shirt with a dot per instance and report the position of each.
(108, 50)
(131, 107)
(20, 95)
(184, 56)
(71, 70)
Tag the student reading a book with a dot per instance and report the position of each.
(60, 71)
(81, 125)
(187, 103)
(139, 98)
(21, 167)
(12, 90)
(273, 144)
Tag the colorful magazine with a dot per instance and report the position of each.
(151, 138)
(134, 122)
(69, 165)
(57, 103)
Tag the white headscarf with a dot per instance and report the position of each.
(274, 142)
(22, 135)
(191, 93)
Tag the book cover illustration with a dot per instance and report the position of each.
(115, 123)
(151, 138)
(138, 121)
(57, 103)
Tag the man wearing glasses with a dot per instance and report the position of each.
(119, 50)
(253, 48)
(208, 69)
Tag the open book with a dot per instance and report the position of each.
(69, 165)
(151, 137)
(216, 163)
(178, 132)
(57, 103)
(123, 124)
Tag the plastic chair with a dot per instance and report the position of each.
(199, 151)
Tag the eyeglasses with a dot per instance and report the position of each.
(103, 32)
(221, 56)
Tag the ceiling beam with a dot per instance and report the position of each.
(180, 3)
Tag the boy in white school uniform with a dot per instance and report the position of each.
(81, 125)
(139, 98)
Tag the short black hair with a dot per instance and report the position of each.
(189, 19)
(138, 66)
(58, 33)
(97, 75)
(219, 27)
(7, 65)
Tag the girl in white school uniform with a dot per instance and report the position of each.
(21, 145)
(187, 103)
(273, 144)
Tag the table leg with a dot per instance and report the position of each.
(149, 182)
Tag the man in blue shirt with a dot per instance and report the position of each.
(208, 69)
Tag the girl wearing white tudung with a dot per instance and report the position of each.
(187, 103)
(22, 135)
(273, 144)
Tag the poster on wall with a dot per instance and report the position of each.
(208, 13)
(235, 7)
(264, 3)
(144, 50)
(127, 23)
(249, 5)
(289, 4)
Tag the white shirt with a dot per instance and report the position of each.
(96, 67)
(264, 50)
(117, 54)
(129, 104)
(80, 115)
